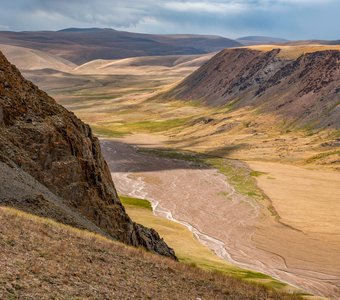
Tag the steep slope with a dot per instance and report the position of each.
(303, 90)
(56, 166)
(45, 260)
(83, 45)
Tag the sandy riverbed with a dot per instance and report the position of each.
(233, 225)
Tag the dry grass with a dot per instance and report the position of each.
(30, 59)
(293, 52)
(303, 196)
(46, 260)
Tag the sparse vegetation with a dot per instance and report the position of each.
(237, 173)
(135, 202)
(257, 173)
(108, 129)
(323, 155)
(188, 249)
(45, 260)
(106, 132)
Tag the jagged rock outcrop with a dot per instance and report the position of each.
(59, 169)
(305, 91)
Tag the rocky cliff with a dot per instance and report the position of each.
(305, 91)
(51, 165)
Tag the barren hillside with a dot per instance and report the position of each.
(304, 91)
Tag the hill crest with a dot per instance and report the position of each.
(304, 91)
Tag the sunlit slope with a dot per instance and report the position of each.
(144, 64)
(294, 51)
(31, 59)
(42, 255)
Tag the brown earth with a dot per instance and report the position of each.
(46, 147)
(302, 91)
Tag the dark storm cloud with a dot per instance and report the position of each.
(302, 19)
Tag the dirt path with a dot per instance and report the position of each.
(202, 200)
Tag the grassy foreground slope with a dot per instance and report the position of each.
(47, 260)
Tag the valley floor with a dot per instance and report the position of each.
(288, 228)
(238, 228)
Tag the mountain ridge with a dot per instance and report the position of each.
(82, 45)
(303, 90)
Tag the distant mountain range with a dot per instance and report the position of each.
(82, 45)
(260, 40)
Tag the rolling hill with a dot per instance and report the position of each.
(143, 65)
(82, 45)
(30, 59)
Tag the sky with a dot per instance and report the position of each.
(290, 19)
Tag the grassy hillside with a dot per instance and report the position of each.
(47, 260)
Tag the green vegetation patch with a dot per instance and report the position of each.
(107, 132)
(173, 154)
(118, 129)
(142, 203)
(155, 126)
(237, 173)
(257, 173)
(322, 155)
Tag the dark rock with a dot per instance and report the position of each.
(302, 91)
(53, 146)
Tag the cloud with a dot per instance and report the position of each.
(205, 7)
(295, 19)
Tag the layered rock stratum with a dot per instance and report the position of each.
(51, 165)
(304, 91)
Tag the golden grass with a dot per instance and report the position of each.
(293, 52)
(302, 196)
(48, 260)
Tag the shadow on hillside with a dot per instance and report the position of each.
(122, 157)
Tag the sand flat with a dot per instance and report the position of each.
(308, 200)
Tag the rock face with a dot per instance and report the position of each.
(54, 166)
(305, 91)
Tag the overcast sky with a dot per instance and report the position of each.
(291, 19)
